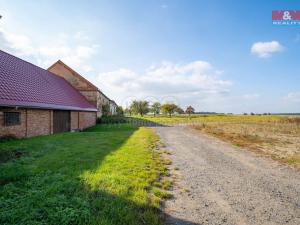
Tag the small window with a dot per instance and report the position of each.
(12, 118)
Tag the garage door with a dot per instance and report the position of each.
(61, 121)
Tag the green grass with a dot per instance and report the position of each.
(102, 176)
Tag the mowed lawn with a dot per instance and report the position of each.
(102, 176)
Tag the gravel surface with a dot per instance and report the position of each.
(217, 183)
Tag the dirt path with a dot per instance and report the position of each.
(220, 184)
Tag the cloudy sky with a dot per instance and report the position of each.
(221, 56)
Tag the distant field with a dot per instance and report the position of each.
(106, 175)
(272, 135)
(175, 119)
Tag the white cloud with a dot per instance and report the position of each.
(79, 54)
(19, 43)
(62, 46)
(251, 96)
(87, 68)
(81, 36)
(188, 83)
(266, 49)
(293, 97)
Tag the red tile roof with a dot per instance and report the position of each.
(23, 84)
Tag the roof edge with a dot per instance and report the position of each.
(73, 71)
(34, 105)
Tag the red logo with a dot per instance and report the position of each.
(286, 15)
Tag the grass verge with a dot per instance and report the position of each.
(104, 176)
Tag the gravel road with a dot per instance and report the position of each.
(220, 184)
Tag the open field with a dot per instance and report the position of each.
(275, 136)
(102, 176)
(278, 139)
(176, 119)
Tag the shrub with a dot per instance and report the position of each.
(111, 119)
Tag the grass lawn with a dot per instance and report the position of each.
(102, 176)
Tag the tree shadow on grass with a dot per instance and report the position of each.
(125, 212)
(46, 186)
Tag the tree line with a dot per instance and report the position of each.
(143, 107)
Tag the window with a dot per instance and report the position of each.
(12, 118)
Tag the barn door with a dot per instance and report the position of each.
(61, 121)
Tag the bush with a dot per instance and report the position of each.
(111, 119)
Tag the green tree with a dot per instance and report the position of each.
(168, 108)
(179, 110)
(120, 111)
(139, 107)
(128, 111)
(190, 110)
(105, 110)
(155, 108)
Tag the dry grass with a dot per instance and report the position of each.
(279, 139)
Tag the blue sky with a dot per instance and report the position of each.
(223, 56)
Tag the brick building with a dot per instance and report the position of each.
(34, 101)
(112, 107)
(86, 88)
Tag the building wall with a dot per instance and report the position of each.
(101, 101)
(87, 119)
(91, 96)
(18, 130)
(79, 83)
(72, 77)
(36, 122)
(113, 108)
(39, 122)
(81, 120)
(74, 120)
(88, 90)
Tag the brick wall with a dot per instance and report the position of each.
(87, 119)
(74, 120)
(91, 96)
(81, 120)
(88, 90)
(39, 122)
(17, 130)
(101, 100)
(34, 122)
(72, 77)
